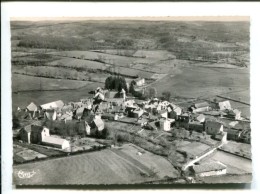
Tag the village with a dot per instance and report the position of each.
(186, 134)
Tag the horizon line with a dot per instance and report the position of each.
(138, 18)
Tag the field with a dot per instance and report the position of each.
(30, 83)
(23, 99)
(194, 82)
(111, 166)
(235, 164)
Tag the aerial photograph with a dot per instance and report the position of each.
(130, 101)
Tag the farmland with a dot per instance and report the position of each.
(118, 166)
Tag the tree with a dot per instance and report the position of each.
(150, 92)
(116, 83)
(166, 95)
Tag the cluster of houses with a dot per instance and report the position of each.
(57, 111)
(153, 114)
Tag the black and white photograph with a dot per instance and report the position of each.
(131, 101)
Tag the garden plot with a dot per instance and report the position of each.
(26, 154)
(194, 148)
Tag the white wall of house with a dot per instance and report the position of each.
(213, 173)
(165, 125)
(65, 144)
(29, 137)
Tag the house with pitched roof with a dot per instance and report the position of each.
(213, 127)
(25, 132)
(224, 105)
(38, 133)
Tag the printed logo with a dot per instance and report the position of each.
(25, 175)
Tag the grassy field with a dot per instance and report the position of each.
(235, 163)
(29, 83)
(117, 166)
(76, 90)
(202, 82)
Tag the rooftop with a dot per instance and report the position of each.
(207, 167)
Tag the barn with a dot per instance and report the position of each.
(56, 142)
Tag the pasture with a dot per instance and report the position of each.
(66, 90)
(29, 83)
(195, 82)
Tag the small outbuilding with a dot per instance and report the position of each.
(234, 114)
(209, 169)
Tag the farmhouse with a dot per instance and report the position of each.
(38, 133)
(213, 127)
(200, 118)
(233, 134)
(25, 132)
(209, 169)
(140, 81)
(224, 105)
(173, 111)
(56, 142)
(53, 105)
(183, 121)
